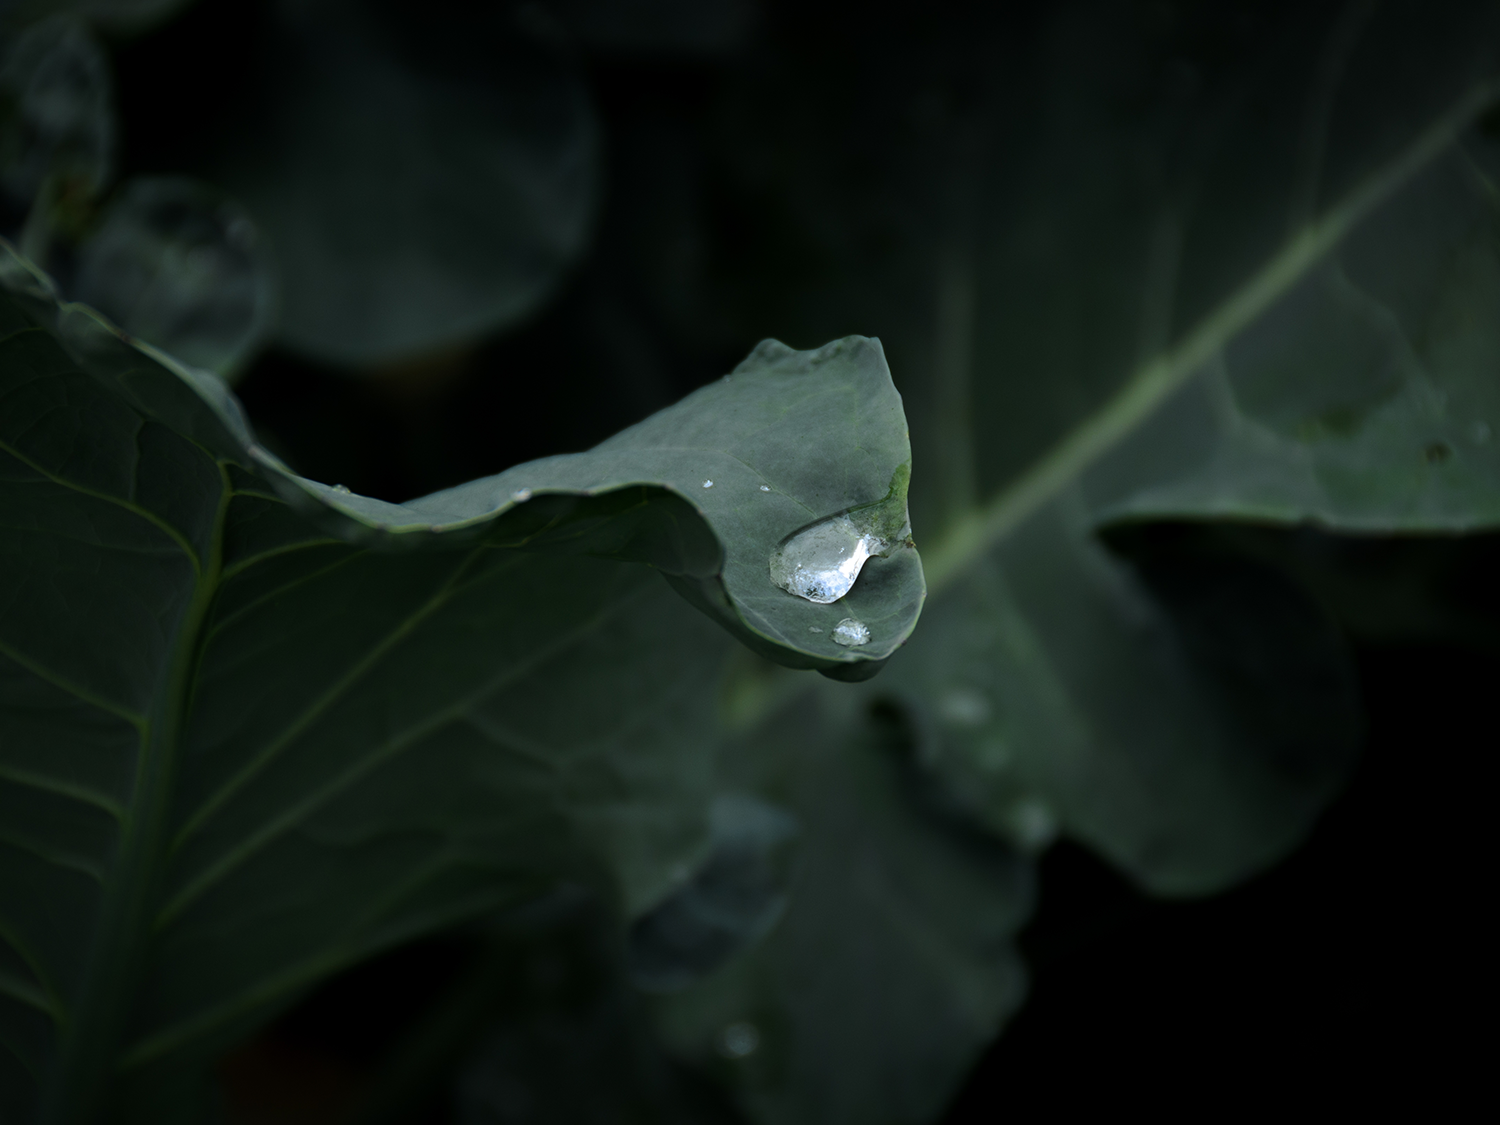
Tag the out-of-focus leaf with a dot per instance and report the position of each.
(1188, 718)
(893, 965)
(570, 1014)
(1366, 399)
(729, 903)
(176, 264)
(57, 128)
(244, 746)
(423, 176)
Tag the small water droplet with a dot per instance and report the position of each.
(708, 484)
(964, 707)
(342, 489)
(1480, 432)
(765, 488)
(738, 1039)
(520, 495)
(814, 629)
(1032, 824)
(851, 633)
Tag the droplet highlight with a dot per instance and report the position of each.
(851, 633)
(520, 495)
(708, 484)
(963, 707)
(821, 562)
(738, 1039)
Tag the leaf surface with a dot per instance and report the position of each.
(257, 727)
(894, 963)
(1107, 254)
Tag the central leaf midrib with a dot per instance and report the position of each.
(82, 1077)
(259, 991)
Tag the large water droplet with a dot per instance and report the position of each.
(851, 633)
(821, 562)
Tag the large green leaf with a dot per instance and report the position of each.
(257, 727)
(1090, 221)
(1107, 258)
(1366, 398)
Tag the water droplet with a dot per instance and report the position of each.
(765, 488)
(708, 484)
(339, 488)
(1032, 824)
(520, 495)
(1480, 432)
(964, 707)
(851, 633)
(738, 1039)
(821, 562)
(814, 629)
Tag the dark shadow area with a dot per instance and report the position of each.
(1345, 969)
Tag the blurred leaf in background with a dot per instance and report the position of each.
(423, 179)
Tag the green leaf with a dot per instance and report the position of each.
(175, 263)
(1188, 717)
(257, 727)
(57, 125)
(423, 178)
(1365, 399)
(893, 965)
(1060, 282)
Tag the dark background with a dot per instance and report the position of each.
(1352, 968)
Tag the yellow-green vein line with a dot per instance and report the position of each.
(1156, 380)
